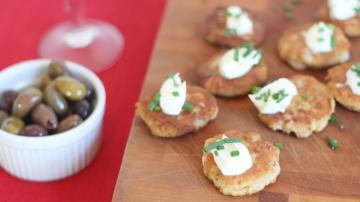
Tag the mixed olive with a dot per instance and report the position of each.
(59, 103)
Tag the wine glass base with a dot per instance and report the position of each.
(93, 43)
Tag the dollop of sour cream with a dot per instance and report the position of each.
(274, 97)
(343, 9)
(320, 38)
(353, 79)
(229, 163)
(238, 21)
(172, 95)
(237, 62)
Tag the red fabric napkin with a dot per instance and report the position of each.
(22, 23)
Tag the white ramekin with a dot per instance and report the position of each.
(57, 156)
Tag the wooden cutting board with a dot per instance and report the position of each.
(155, 169)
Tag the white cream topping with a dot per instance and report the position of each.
(343, 9)
(172, 95)
(353, 79)
(274, 97)
(232, 165)
(238, 21)
(320, 38)
(238, 61)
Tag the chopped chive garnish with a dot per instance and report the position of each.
(279, 145)
(330, 26)
(279, 96)
(333, 43)
(230, 32)
(175, 94)
(304, 97)
(357, 10)
(264, 96)
(216, 153)
(321, 39)
(154, 102)
(333, 119)
(288, 7)
(356, 69)
(227, 13)
(321, 29)
(255, 89)
(249, 48)
(188, 106)
(220, 147)
(214, 145)
(208, 73)
(333, 143)
(170, 76)
(358, 84)
(296, 2)
(234, 153)
(157, 108)
(237, 54)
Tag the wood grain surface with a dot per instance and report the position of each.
(155, 169)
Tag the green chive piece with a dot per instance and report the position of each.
(237, 54)
(358, 83)
(171, 76)
(287, 7)
(255, 89)
(288, 15)
(333, 119)
(356, 69)
(249, 48)
(221, 142)
(357, 10)
(264, 96)
(188, 106)
(216, 153)
(279, 145)
(304, 97)
(331, 26)
(175, 94)
(157, 108)
(234, 153)
(279, 96)
(296, 2)
(333, 143)
(230, 32)
(154, 102)
(321, 39)
(321, 29)
(220, 147)
(208, 73)
(227, 13)
(333, 43)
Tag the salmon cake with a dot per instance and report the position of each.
(301, 110)
(240, 163)
(177, 109)
(230, 74)
(232, 25)
(343, 82)
(314, 46)
(344, 14)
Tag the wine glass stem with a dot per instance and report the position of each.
(76, 10)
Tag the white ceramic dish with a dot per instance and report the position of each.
(57, 156)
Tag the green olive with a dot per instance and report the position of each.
(25, 101)
(71, 88)
(56, 101)
(13, 125)
(3, 116)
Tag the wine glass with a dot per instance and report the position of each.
(93, 43)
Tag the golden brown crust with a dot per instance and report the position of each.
(264, 171)
(162, 125)
(351, 27)
(210, 78)
(308, 112)
(293, 50)
(215, 30)
(336, 79)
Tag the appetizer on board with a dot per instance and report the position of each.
(344, 83)
(177, 108)
(233, 72)
(232, 26)
(318, 45)
(240, 163)
(300, 105)
(343, 13)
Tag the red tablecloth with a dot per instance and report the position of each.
(22, 24)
